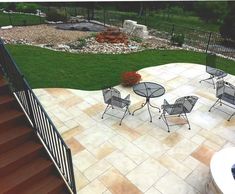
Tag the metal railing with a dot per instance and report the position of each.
(38, 117)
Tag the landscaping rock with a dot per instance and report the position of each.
(132, 28)
(41, 34)
(128, 26)
(6, 27)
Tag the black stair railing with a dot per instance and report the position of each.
(41, 122)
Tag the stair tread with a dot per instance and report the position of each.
(6, 98)
(10, 114)
(24, 173)
(45, 185)
(15, 154)
(13, 133)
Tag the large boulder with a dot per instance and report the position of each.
(132, 28)
(128, 26)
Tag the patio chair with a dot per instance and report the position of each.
(112, 98)
(212, 70)
(181, 107)
(225, 92)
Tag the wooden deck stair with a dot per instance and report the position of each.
(25, 167)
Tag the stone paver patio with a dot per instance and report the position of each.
(139, 156)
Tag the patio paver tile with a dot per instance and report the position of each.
(172, 184)
(96, 169)
(146, 174)
(203, 154)
(121, 159)
(117, 183)
(95, 187)
(74, 145)
(121, 162)
(199, 177)
(83, 160)
(175, 166)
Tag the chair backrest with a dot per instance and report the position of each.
(225, 91)
(188, 102)
(108, 93)
(211, 60)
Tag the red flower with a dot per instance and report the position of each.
(130, 78)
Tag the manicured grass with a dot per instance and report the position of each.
(16, 19)
(45, 68)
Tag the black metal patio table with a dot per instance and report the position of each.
(148, 90)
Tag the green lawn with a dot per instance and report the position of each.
(157, 20)
(16, 19)
(45, 68)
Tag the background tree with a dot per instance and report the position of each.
(227, 29)
(211, 10)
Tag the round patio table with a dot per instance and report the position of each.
(148, 90)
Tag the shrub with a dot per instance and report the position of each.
(79, 44)
(136, 39)
(56, 15)
(27, 7)
(177, 39)
(9, 6)
(227, 29)
(130, 78)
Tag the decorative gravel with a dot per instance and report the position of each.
(47, 36)
(40, 34)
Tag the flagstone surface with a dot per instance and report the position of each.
(139, 156)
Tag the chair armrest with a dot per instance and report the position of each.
(127, 97)
(166, 106)
(120, 102)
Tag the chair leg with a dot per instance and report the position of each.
(231, 116)
(105, 111)
(203, 80)
(189, 127)
(213, 82)
(165, 120)
(214, 105)
(124, 115)
(129, 111)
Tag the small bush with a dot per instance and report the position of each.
(9, 6)
(56, 15)
(136, 39)
(27, 7)
(130, 78)
(177, 39)
(79, 44)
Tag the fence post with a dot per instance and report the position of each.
(9, 15)
(145, 16)
(173, 29)
(104, 15)
(208, 43)
(88, 14)
(40, 18)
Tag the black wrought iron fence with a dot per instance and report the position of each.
(203, 40)
(38, 117)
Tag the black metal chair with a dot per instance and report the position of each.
(225, 92)
(212, 70)
(112, 97)
(181, 107)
